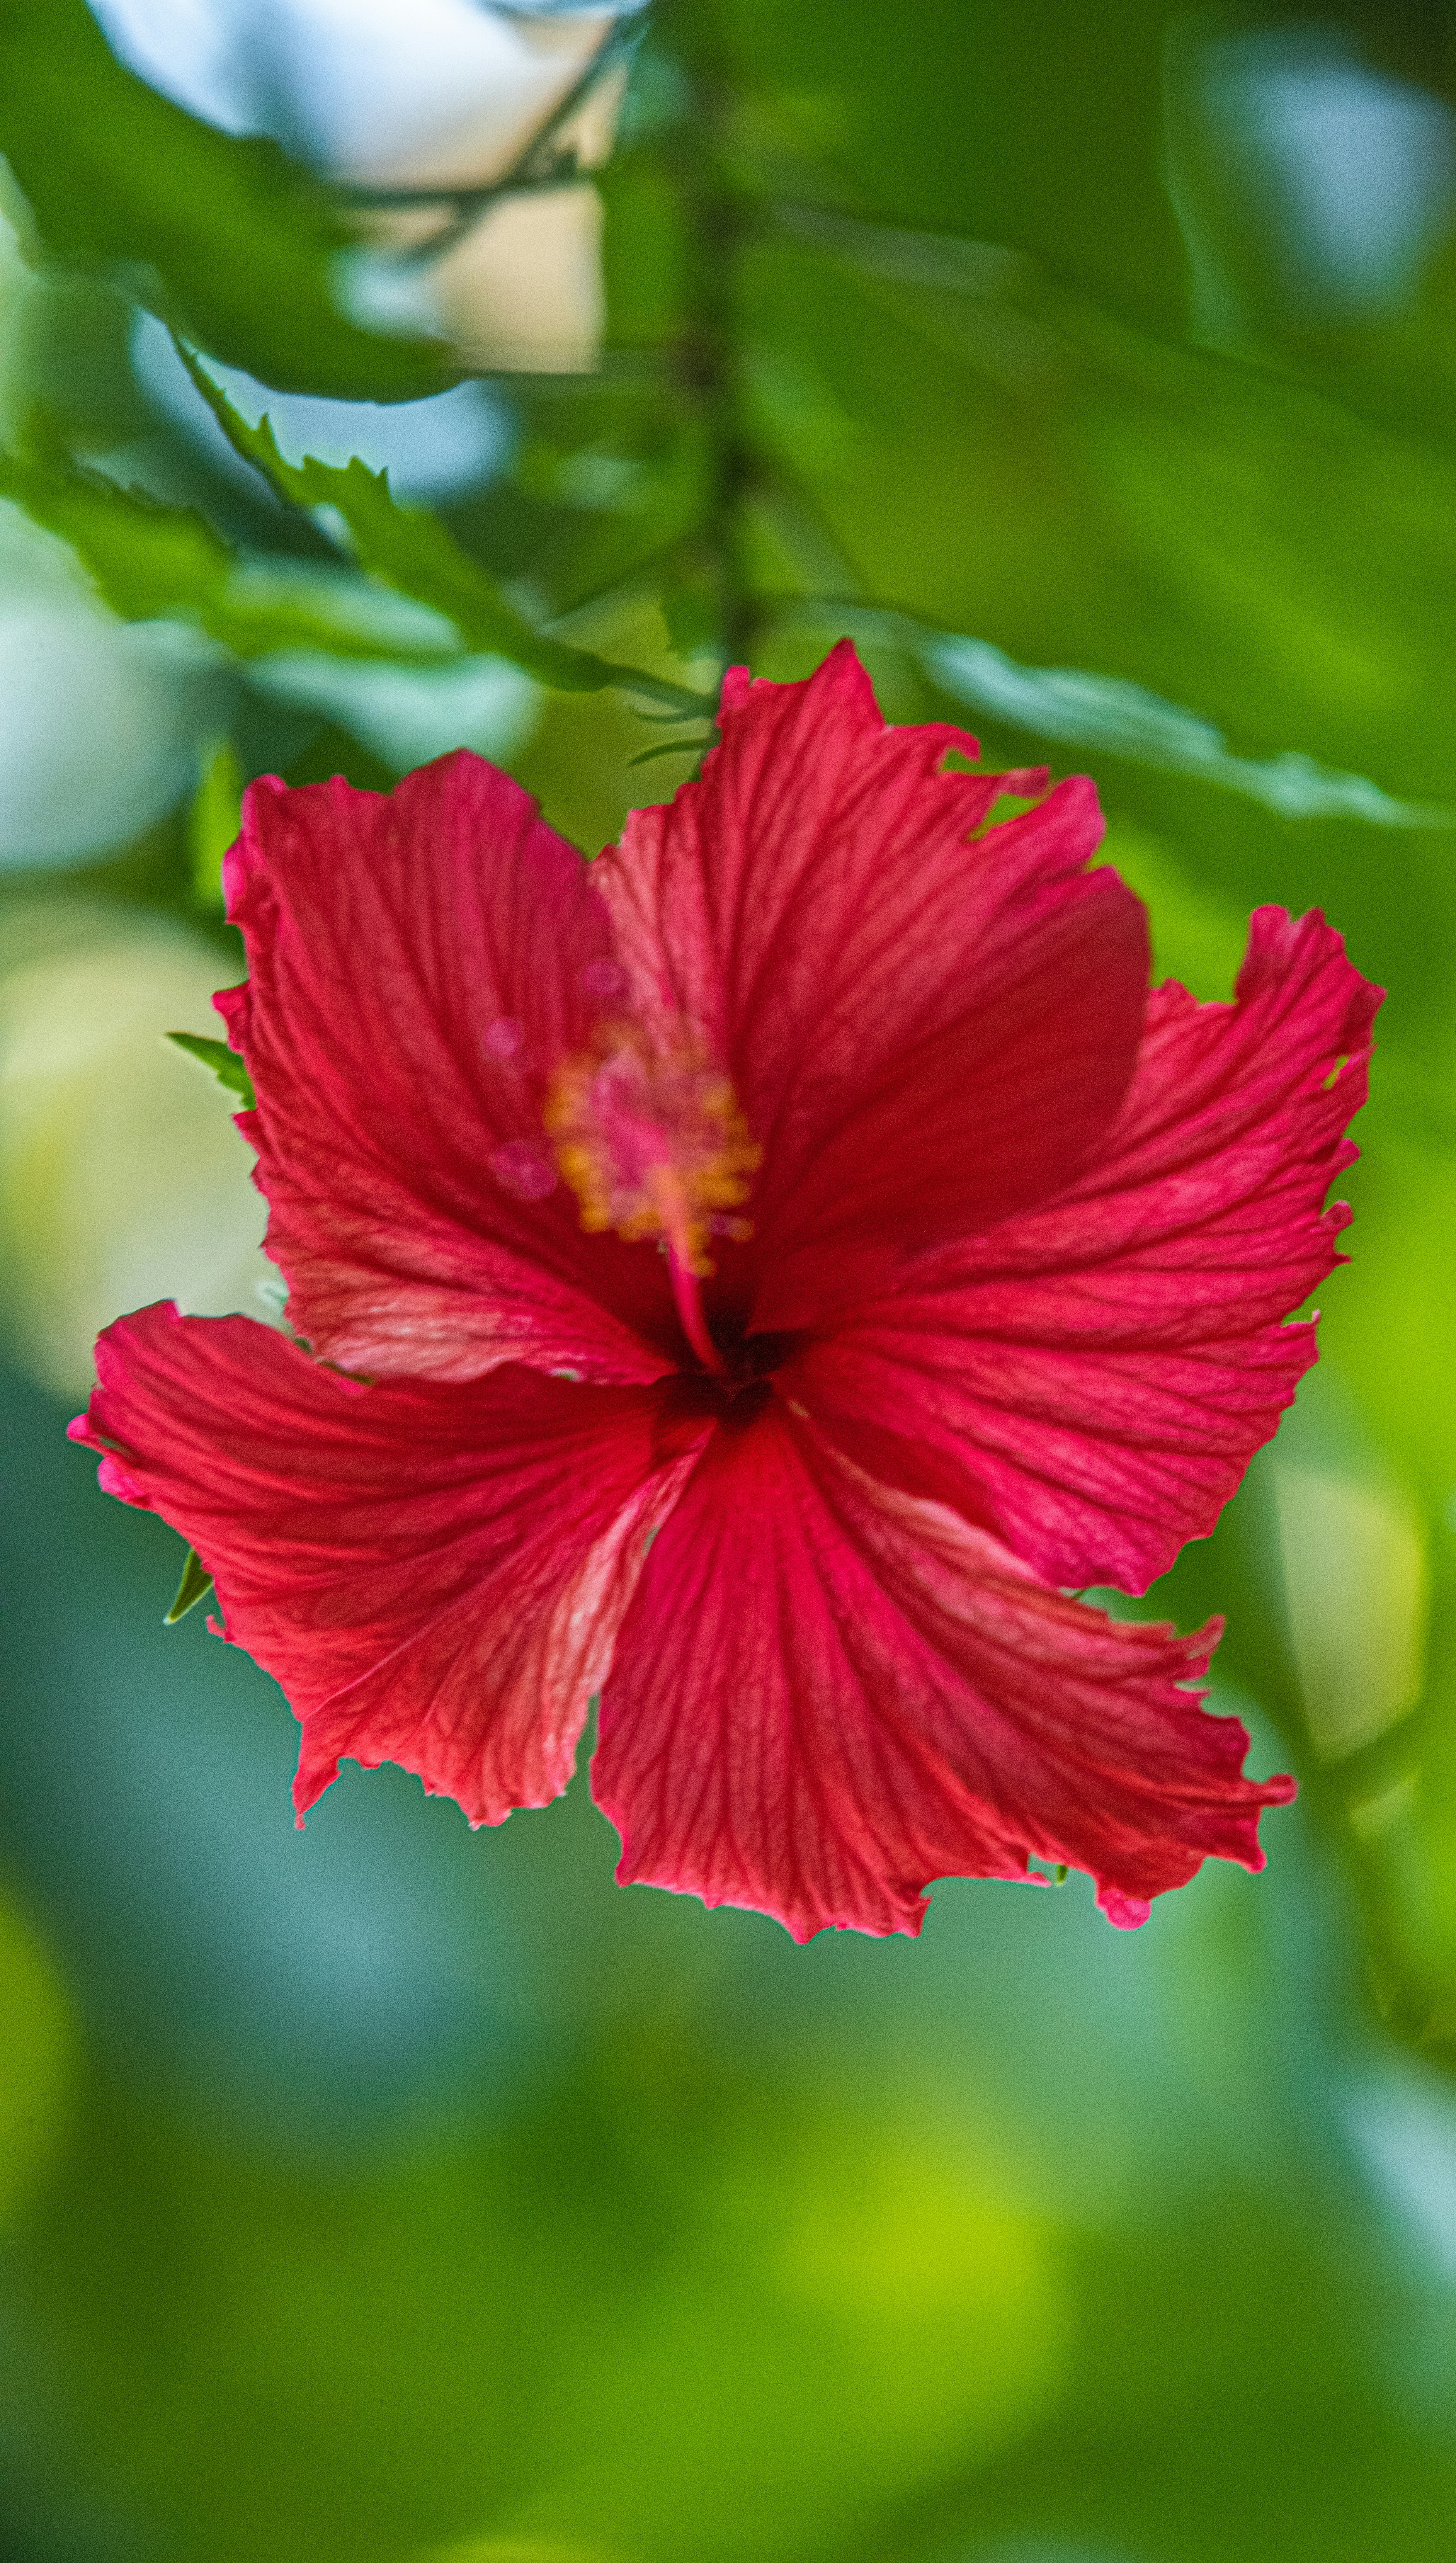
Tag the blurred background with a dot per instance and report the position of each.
(381, 2191)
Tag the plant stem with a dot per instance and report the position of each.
(717, 218)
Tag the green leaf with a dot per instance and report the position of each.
(225, 1063)
(221, 235)
(671, 747)
(1078, 709)
(410, 549)
(1087, 710)
(153, 561)
(195, 1581)
(213, 822)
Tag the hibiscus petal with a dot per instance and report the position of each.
(1092, 1378)
(434, 1575)
(826, 1694)
(419, 964)
(925, 1033)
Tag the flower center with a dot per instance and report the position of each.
(651, 1140)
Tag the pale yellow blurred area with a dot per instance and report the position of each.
(850, 2304)
(122, 1177)
(1353, 1555)
(522, 290)
(518, 2549)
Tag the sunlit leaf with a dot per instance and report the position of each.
(670, 747)
(153, 561)
(1078, 709)
(225, 1063)
(1086, 710)
(194, 1582)
(213, 823)
(412, 550)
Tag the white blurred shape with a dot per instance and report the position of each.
(407, 715)
(355, 85)
(1354, 1560)
(122, 1177)
(190, 50)
(1404, 2126)
(101, 732)
(1347, 173)
(440, 94)
(432, 449)
(1366, 164)
(102, 719)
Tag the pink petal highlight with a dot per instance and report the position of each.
(1091, 1378)
(434, 1574)
(826, 1694)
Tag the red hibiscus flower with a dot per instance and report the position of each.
(752, 1278)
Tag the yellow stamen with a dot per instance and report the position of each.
(651, 1140)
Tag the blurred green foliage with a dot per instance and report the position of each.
(382, 2191)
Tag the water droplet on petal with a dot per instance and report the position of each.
(504, 1036)
(604, 978)
(522, 1168)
